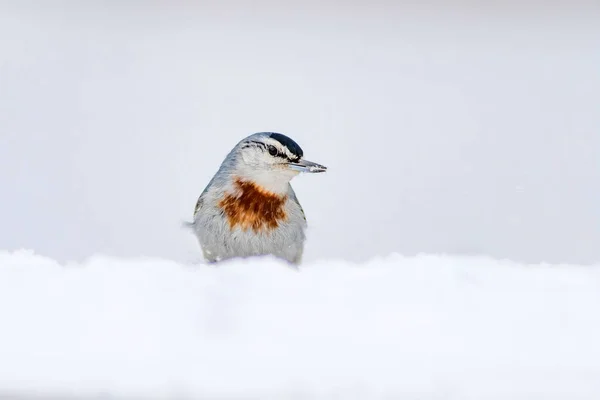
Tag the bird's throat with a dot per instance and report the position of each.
(250, 206)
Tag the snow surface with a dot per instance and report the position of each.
(425, 327)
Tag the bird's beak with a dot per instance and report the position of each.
(306, 166)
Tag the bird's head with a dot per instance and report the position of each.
(270, 160)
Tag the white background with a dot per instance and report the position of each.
(449, 127)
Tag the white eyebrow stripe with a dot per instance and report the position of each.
(288, 153)
(280, 147)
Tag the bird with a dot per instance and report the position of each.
(249, 208)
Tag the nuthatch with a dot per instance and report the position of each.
(249, 207)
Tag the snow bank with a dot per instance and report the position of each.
(428, 327)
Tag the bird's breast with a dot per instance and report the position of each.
(250, 206)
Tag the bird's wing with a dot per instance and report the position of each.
(198, 205)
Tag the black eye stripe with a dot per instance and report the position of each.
(273, 151)
(286, 142)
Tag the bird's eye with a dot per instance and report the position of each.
(272, 151)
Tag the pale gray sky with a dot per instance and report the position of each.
(447, 129)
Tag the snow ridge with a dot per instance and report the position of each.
(435, 327)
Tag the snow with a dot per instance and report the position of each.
(423, 327)
(446, 130)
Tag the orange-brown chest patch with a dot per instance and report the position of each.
(251, 207)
